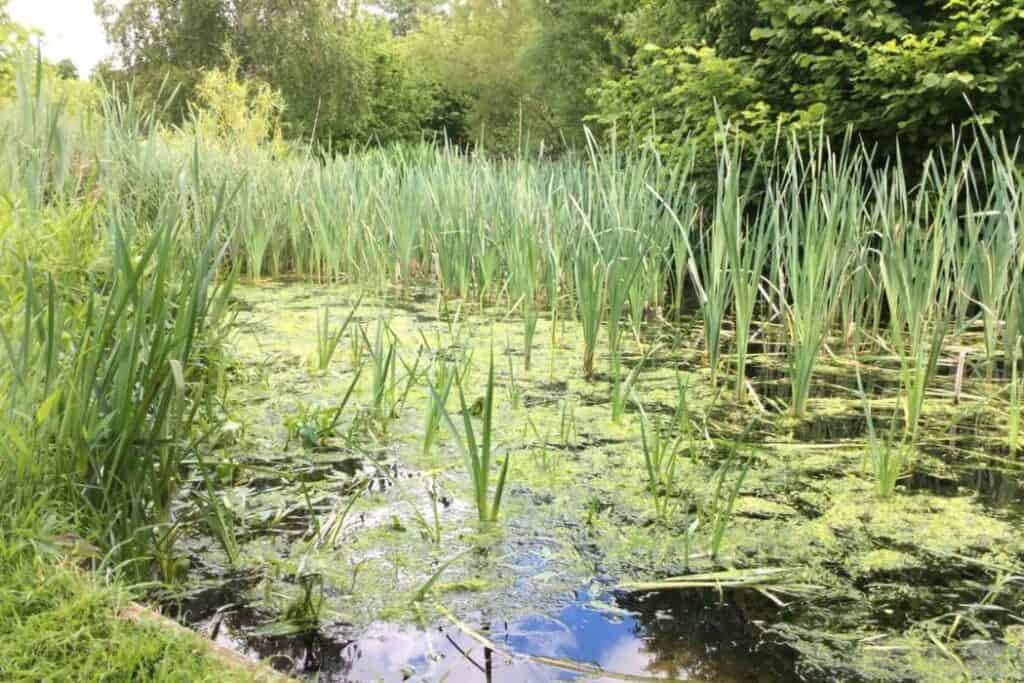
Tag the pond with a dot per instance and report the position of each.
(355, 554)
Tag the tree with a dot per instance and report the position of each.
(888, 70)
(343, 77)
(14, 41)
(475, 53)
(164, 42)
(405, 15)
(577, 44)
(67, 70)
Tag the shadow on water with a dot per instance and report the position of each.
(682, 635)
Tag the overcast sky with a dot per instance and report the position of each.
(70, 30)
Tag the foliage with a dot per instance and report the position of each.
(67, 70)
(473, 52)
(342, 76)
(576, 44)
(13, 41)
(236, 114)
(886, 69)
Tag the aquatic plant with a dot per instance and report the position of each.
(304, 611)
(116, 383)
(1015, 407)
(917, 295)
(622, 390)
(746, 248)
(886, 456)
(817, 227)
(714, 282)
(683, 417)
(313, 426)
(220, 520)
(443, 378)
(431, 529)
(567, 434)
(515, 392)
(478, 453)
(719, 511)
(590, 276)
(660, 454)
(326, 340)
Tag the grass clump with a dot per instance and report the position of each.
(478, 453)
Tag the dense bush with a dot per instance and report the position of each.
(888, 70)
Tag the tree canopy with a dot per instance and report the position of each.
(510, 73)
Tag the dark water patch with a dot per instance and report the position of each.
(833, 428)
(207, 598)
(535, 401)
(554, 388)
(772, 381)
(347, 466)
(651, 408)
(683, 635)
(996, 489)
(928, 482)
(585, 442)
(900, 598)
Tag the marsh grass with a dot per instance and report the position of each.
(327, 341)
(311, 427)
(1015, 407)
(746, 250)
(478, 452)
(660, 455)
(567, 433)
(443, 378)
(816, 230)
(388, 394)
(512, 388)
(121, 406)
(683, 417)
(622, 389)
(591, 282)
(720, 507)
(886, 457)
(918, 297)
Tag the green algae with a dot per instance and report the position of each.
(580, 510)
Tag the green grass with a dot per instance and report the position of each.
(59, 624)
(327, 340)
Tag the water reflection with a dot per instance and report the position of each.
(697, 636)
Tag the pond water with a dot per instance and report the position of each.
(659, 636)
(359, 556)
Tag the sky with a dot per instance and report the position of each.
(70, 30)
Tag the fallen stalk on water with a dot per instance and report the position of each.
(556, 662)
(734, 578)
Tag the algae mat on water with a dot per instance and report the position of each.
(339, 531)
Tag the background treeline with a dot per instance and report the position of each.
(513, 73)
(508, 73)
(531, 74)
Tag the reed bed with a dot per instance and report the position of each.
(115, 319)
